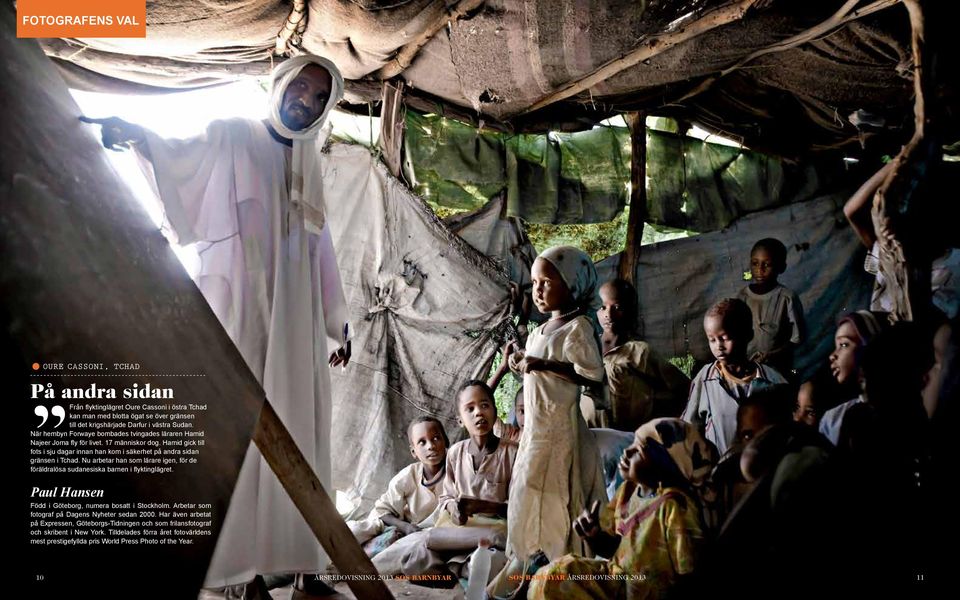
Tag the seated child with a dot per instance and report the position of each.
(650, 533)
(726, 484)
(777, 314)
(641, 384)
(854, 332)
(721, 386)
(473, 500)
(410, 501)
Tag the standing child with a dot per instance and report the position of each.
(410, 501)
(720, 386)
(558, 470)
(651, 531)
(777, 314)
(642, 385)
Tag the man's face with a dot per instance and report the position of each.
(305, 97)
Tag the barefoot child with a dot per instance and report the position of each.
(719, 387)
(777, 314)
(650, 533)
(410, 501)
(558, 472)
(641, 384)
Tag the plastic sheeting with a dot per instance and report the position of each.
(583, 177)
(677, 281)
(700, 186)
(552, 178)
(427, 313)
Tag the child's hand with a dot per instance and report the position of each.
(529, 364)
(760, 357)
(587, 525)
(407, 528)
(458, 516)
(509, 349)
(514, 360)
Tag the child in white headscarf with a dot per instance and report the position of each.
(557, 472)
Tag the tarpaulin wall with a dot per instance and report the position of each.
(677, 281)
(427, 313)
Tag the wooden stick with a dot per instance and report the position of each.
(836, 21)
(652, 46)
(441, 16)
(638, 195)
(310, 498)
(392, 114)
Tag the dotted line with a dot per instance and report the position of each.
(115, 375)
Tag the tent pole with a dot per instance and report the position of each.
(392, 121)
(638, 195)
(313, 502)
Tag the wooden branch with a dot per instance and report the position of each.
(291, 33)
(844, 15)
(638, 195)
(652, 46)
(907, 279)
(313, 502)
(442, 16)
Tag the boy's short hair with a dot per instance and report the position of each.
(735, 315)
(778, 252)
(426, 419)
(476, 383)
(776, 402)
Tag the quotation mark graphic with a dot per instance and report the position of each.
(57, 411)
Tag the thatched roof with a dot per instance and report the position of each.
(786, 77)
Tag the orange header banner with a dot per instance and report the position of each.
(81, 18)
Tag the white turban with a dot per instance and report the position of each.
(306, 189)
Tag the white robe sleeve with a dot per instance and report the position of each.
(580, 348)
(192, 178)
(335, 312)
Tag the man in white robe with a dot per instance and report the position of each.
(248, 194)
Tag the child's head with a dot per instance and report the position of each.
(854, 332)
(618, 306)
(519, 413)
(728, 326)
(813, 398)
(564, 278)
(428, 441)
(762, 409)
(476, 409)
(768, 259)
(668, 453)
